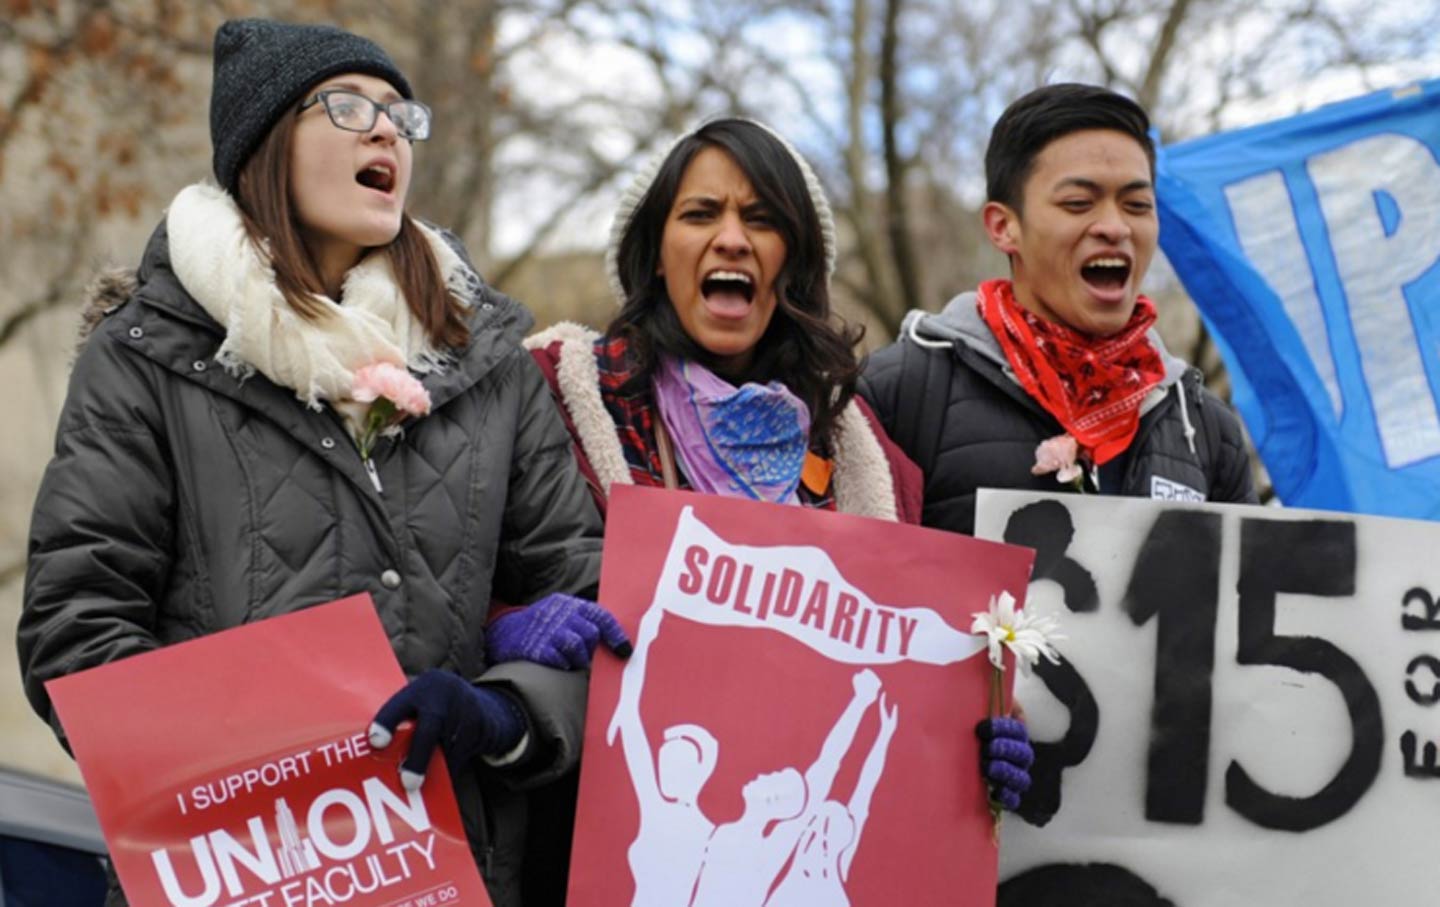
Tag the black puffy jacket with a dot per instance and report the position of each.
(182, 501)
(943, 394)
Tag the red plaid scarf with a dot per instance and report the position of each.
(1093, 386)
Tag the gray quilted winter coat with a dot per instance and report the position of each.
(182, 501)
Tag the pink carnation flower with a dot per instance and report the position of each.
(393, 383)
(1058, 455)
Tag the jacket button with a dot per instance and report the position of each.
(198, 365)
(328, 443)
(136, 333)
(390, 579)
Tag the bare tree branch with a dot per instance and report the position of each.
(44, 58)
(896, 190)
(1090, 29)
(868, 244)
(472, 197)
(601, 175)
(1149, 94)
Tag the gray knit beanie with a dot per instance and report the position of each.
(263, 68)
(645, 178)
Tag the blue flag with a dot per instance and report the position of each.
(1312, 247)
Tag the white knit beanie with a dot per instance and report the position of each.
(630, 202)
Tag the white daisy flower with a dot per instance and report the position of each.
(1028, 636)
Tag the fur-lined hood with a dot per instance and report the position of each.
(863, 481)
(106, 292)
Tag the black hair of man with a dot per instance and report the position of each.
(1049, 113)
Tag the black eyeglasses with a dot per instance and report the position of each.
(356, 113)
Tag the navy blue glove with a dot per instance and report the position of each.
(465, 719)
(1005, 757)
(558, 631)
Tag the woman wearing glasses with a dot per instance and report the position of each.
(222, 457)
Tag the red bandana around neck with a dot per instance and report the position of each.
(1093, 386)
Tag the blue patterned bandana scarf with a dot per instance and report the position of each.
(745, 443)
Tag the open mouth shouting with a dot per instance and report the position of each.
(378, 175)
(727, 293)
(1107, 275)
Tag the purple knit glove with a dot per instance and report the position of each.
(1005, 756)
(558, 631)
(465, 719)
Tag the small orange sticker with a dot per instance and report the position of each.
(817, 472)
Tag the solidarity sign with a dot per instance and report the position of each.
(233, 771)
(1247, 710)
(795, 726)
(797, 590)
(1312, 247)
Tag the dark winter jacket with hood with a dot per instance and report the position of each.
(183, 500)
(945, 393)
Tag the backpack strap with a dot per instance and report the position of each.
(923, 393)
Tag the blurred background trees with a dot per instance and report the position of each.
(545, 107)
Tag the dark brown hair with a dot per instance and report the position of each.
(263, 194)
(806, 346)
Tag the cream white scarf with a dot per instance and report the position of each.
(218, 265)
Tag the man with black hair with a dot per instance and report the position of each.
(1065, 349)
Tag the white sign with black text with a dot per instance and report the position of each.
(1247, 711)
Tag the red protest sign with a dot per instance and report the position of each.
(233, 770)
(796, 724)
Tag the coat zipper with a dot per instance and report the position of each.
(374, 476)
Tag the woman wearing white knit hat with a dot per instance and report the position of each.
(720, 257)
(726, 371)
